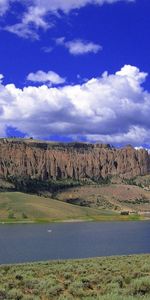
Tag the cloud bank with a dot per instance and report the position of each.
(112, 108)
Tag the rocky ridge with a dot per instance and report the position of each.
(45, 160)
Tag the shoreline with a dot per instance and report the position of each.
(75, 260)
(102, 218)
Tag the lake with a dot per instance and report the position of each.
(38, 242)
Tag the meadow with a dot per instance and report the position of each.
(106, 278)
(21, 207)
(17, 206)
(61, 200)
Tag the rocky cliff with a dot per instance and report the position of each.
(45, 161)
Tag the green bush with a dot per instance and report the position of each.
(54, 291)
(15, 294)
(140, 286)
(24, 216)
(11, 215)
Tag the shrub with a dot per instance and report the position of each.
(140, 286)
(2, 293)
(15, 294)
(11, 215)
(54, 291)
(24, 216)
(28, 297)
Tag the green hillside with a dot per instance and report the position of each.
(15, 206)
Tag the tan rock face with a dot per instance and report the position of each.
(46, 161)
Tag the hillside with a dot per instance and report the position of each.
(16, 206)
(73, 180)
(86, 202)
(116, 197)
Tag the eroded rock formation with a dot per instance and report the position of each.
(45, 161)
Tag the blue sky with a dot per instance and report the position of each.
(75, 70)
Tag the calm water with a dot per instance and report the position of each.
(25, 243)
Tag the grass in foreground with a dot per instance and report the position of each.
(20, 207)
(111, 278)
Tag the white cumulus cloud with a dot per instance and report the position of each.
(79, 47)
(112, 108)
(50, 77)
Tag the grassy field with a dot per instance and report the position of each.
(21, 207)
(111, 278)
(73, 200)
(16, 206)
